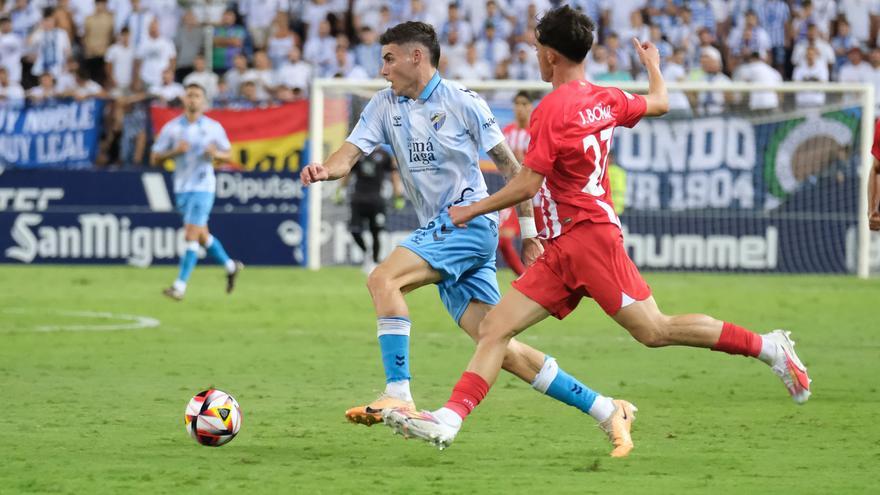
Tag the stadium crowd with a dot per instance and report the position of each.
(251, 53)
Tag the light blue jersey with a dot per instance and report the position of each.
(193, 171)
(436, 140)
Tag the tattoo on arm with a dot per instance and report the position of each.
(508, 165)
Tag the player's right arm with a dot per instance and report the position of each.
(337, 166)
(366, 135)
(657, 99)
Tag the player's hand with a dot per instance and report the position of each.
(182, 147)
(532, 249)
(647, 52)
(313, 173)
(874, 221)
(460, 215)
(210, 151)
(399, 202)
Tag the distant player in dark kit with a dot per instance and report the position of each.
(367, 202)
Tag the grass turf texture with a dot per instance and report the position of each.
(102, 412)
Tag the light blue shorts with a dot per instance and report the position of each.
(465, 259)
(195, 207)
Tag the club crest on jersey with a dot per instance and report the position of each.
(438, 119)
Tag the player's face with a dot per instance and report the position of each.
(522, 108)
(544, 63)
(194, 100)
(398, 67)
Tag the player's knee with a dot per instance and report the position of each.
(493, 332)
(380, 282)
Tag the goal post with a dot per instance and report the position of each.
(735, 190)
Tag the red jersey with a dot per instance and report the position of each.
(571, 131)
(875, 150)
(517, 137)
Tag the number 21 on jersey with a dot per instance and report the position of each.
(594, 184)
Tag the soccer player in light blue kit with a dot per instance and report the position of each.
(195, 142)
(436, 128)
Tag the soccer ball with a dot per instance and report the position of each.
(212, 418)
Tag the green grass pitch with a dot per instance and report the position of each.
(102, 411)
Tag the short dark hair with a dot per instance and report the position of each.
(567, 31)
(414, 32)
(524, 94)
(196, 85)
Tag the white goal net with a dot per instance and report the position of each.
(717, 185)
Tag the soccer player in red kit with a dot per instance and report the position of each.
(571, 133)
(873, 183)
(517, 135)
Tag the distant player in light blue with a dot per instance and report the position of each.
(436, 129)
(195, 143)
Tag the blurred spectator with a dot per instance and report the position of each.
(473, 68)
(663, 46)
(229, 40)
(621, 51)
(749, 38)
(674, 71)
(874, 60)
(138, 22)
(295, 74)
(154, 56)
(524, 66)
(703, 15)
(811, 69)
(385, 20)
(280, 41)
(313, 14)
(684, 33)
(168, 12)
(170, 92)
(11, 50)
(83, 87)
(454, 49)
(843, 42)
(51, 46)
(321, 49)
(67, 78)
(203, 77)
(454, 22)
(45, 91)
(209, 11)
(64, 19)
(775, 15)
(134, 126)
(503, 27)
(756, 70)
(97, 38)
(415, 11)
(24, 16)
(236, 75)
(365, 13)
(614, 73)
(345, 66)
(119, 59)
(859, 13)
(617, 14)
(368, 53)
(856, 69)
(10, 91)
(263, 75)
(824, 12)
(189, 42)
(121, 9)
(637, 27)
(248, 97)
(259, 16)
(710, 102)
(491, 48)
(824, 52)
(597, 62)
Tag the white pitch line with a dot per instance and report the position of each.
(134, 322)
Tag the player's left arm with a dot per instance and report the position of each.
(657, 99)
(874, 196)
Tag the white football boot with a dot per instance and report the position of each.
(420, 424)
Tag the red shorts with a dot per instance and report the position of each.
(587, 261)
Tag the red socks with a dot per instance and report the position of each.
(511, 257)
(738, 340)
(467, 393)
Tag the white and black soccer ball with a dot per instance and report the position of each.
(212, 418)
